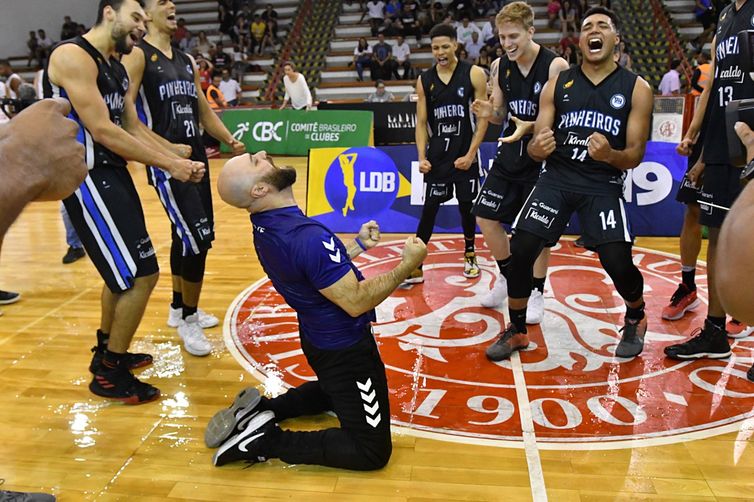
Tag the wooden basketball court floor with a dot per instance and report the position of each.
(58, 438)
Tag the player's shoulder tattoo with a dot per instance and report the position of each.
(494, 67)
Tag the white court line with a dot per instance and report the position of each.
(536, 476)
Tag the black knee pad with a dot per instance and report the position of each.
(176, 255)
(617, 261)
(192, 268)
(525, 248)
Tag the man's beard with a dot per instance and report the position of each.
(281, 178)
(121, 42)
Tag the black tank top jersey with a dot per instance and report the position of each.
(522, 100)
(582, 108)
(730, 80)
(112, 82)
(450, 122)
(167, 102)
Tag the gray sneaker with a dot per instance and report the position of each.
(510, 340)
(227, 422)
(632, 341)
(8, 496)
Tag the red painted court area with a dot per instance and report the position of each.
(432, 338)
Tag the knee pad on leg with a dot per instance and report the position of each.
(617, 261)
(525, 248)
(192, 267)
(176, 255)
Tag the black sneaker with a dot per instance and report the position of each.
(750, 373)
(632, 341)
(8, 297)
(73, 254)
(246, 444)
(120, 384)
(510, 340)
(132, 361)
(710, 342)
(233, 419)
(579, 242)
(9, 496)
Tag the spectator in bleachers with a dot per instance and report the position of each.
(402, 54)
(391, 28)
(259, 35)
(489, 32)
(240, 29)
(571, 55)
(33, 45)
(380, 94)
(362, 57)
(181, 33)
(221, 59)
(230, 88)
(270, 16)
(435, 14)
(203, 45)
(567, 16)
(704, 12)
(45, 44)
(382, 59)
(239, 58)
(225, 16)
(624, 58)
(376, 11)
(409, 23)
(460, 9)
(69, 28)
(463, 55)
(553, 14)
(670, 85)
(13, 81)
(480, 8)
(474, 47)
(215, 95)
(81, 30)
(484, 60)
(701, 76)
(205, 72)
(465, 29)
(296, 89)
(569, 38)
(392, 9)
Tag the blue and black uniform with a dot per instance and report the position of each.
(513, 173)
(721, 180)
(167, 103)
(105, 210)
(302, 257)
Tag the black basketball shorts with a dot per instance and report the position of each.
(500, 198)
(464, 190)
(722, 184)
(107, 215)
(548, 210)
(189, 207)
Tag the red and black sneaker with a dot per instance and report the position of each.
(120, 384)
(132, 361)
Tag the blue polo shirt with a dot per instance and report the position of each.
(301, 257)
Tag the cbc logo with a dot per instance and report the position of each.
(266, 131)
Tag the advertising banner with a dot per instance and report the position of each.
(395, 122)
(348, 186)
(294, 132)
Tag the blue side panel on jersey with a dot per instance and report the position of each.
(140, 110)
(160, 182)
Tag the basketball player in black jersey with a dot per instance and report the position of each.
(600, 113)
(106, 210)
(721, 183)
(448, 141)
(517, 80)
(164, 83)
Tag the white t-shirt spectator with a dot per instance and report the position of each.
(474, 48)
(464, 32)
(488, 31)
(365, 52)
(385, 97)
(376, 10)
(297, 92)
(401, 52)
(46, 42)
(670, 83)
(230, 89)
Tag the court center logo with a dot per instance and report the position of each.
(361, 182)
(432, 339)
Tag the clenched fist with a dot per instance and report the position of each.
(425, 166)
(599, 148)
(414, 252)
(542, 145)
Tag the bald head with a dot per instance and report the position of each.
(237, 181)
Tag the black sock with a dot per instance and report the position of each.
(635, 314)
(469, 243)
(518, 319)
(719, 322)
(687, 276)
(102, 339)
(539, 284)
(112, 360)
(503, 266)
(177, 300)
(187, 311)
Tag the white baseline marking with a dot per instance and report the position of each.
(536, 476)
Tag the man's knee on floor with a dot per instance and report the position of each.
(376, 455)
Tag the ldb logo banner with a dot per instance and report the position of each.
(294, 132)
(348, 186)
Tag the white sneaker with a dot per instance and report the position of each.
(535, 308)
(194, 340)
(498, 294)
(206, 321)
